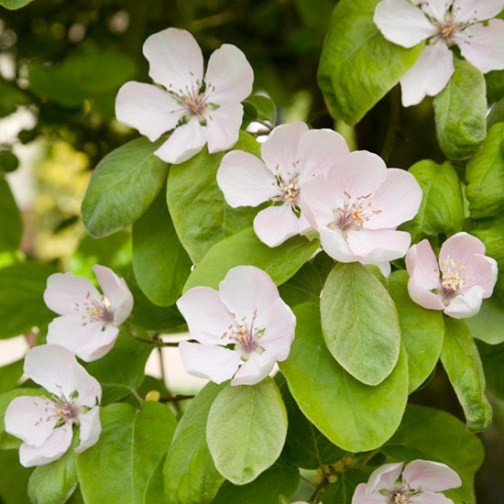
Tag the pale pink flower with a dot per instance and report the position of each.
(443, 23)
(464, 277)
(292, 155)
(89, 322)
(45, 425)
(243, 329)
(357, 206)
(418, 483)
(200, 109)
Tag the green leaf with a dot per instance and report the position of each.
(485, 176)
(160, 262)
(462, 363)
(21, 304)
(54, 482)
(10, 98)
(422, 331)
(492, 357)
(14, 4)
(358, 66)
(360, 323)
(495, 85)
(352, 415)
(155, 486)
(496, 113)
(303, 287)
(244, 248)
(190, 475)
(280, 479)
(10, 375)
(488, 324)
(246, 430)
(130, 447)
(430, 434)
(122, 187)
(341, 492)
(14, 480)
(460, 112)
(442, 209)
(11, 228)
(197, 206)
(259, 108)
(9, 162)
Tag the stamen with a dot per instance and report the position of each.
(353, 214)
(245, 335)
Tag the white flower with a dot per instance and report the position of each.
(89, 321)
(465, 275)
(292, 155)
(45, 425)
(443, 23)
(200, 110)
(242, 329)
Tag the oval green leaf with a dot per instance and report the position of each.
(488, 324)
(246, 430)
(11, 228)
(360, 323)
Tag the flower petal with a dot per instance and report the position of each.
(185, 142)
(481, 270)
(378, 245)
(254, 369)
(275, 224)
(148, 109)
(384, 477)
(334, 244)
(280, 150)
(483, 45)
(89, 430)
(470, 11)
(223, 127)
(116, 291)
(212, 362)
(460, 248)
(436, 9)
(229, 76)
(206, 315)
(402, 23)
(247, 289)
(430, 498)
(175, 60)
(360, 496)
(55, 446)
(430, 476)
(245, 180)
(317, 201)
(429, 75)
(465, 305)
(397, 199)
(65, 292)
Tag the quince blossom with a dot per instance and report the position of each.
(357, 206)
(464, 277)
(418, 483)
(45, 425)
(443, 23)
(242, 330)
(292, 155)
(89, 321)
(200, 109)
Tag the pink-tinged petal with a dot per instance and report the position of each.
(247, 289)
(397, 200)
(275, 224)
(148, 109)
(384, 477)
(64, 291)
(212, 362)
(378, 245)
(318, 151)
(254, 369)
(481, 270)
(318, 201)
(245, 180)
(429, 75)
(175, 59)
(223, 127)
(430, 498)
(88, 341)
(31, 419)
(483, 45)
(206, 315)
(423, 271)
(430, 476)
(229, 76)
(436, 9)
(54, 447)
(280, 150)
(360, 496)
(460, 248)
(470, 11)
(465, 305)
(89, 430)
(402, 23)
(185, 142)
(334, 243)
(116, 291)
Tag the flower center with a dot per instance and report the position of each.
(452, 277)
(353, 214)
(400, 498)
(245, 335)
(94, 311)
(447, 29)
(195, 104)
